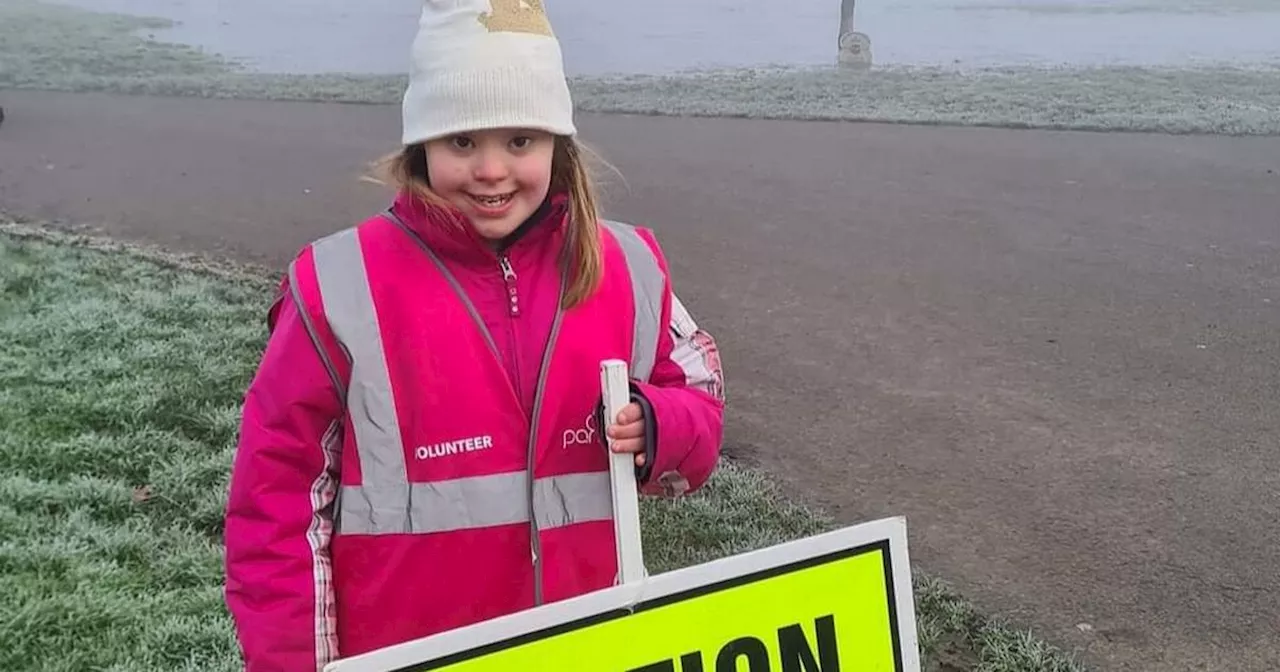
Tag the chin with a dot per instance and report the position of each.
(496, 230)
(500, 227)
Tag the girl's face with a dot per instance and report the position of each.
(496, 177)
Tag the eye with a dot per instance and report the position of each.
(461, 142)
(522, 142)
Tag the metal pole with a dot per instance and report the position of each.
(846, 16)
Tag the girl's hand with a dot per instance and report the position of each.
(627, 432)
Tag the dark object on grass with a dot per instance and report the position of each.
(1, 115)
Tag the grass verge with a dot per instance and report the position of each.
(120, 386)
(61, 48)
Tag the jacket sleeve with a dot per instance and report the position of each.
(278, 517)
(684, 397)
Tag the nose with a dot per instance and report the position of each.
(490, 166)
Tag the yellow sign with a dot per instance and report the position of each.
(840, 601)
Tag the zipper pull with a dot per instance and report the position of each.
(509, 278)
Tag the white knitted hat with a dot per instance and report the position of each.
(481, 64)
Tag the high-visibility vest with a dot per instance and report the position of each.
(453, 507)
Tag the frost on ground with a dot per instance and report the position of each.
(1219, 100)
(53, 47)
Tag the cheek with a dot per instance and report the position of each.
(536, 179)
(445, 175)
(535, 173)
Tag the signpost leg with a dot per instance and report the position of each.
(616, 391)
(854, 49)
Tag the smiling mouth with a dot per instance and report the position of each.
(495, 201)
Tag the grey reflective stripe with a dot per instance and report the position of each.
(344, 288)
(487, 501)
(314, 335)
(559, 501)
(647, 285)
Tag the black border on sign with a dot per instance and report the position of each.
(659, 602)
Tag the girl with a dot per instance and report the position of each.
(421, 447)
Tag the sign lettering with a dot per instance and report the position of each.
(793, 647)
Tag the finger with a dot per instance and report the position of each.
(630, 413)
(632, 431)
(628, 446)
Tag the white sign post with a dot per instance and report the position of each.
(616, 391)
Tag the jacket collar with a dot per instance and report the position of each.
(448, 232)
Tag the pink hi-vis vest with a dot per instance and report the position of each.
(454, 506)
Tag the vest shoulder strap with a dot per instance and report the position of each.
(322, 282)
(648, 284)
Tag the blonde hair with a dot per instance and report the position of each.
(582, 257)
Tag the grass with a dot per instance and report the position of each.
(120, 388)
(1221, 100)
(115, 374)
(54, 43)
(53, 47)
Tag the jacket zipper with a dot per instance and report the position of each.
(509, 278)
(513, 310)
(533, 442)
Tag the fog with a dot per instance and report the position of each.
(657, 36)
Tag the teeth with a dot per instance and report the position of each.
(493, 200)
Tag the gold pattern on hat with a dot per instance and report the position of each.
(517, 16)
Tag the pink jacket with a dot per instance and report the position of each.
(322, 562)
